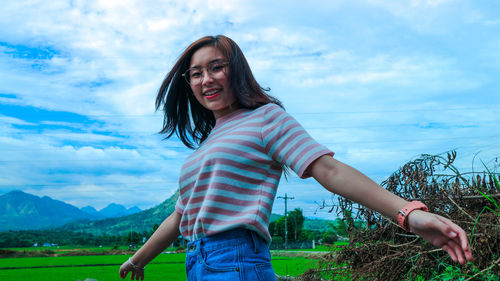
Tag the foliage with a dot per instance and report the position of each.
(383, 251)
(294, 222)
(329, 238)
(27, 238)
(309, 235)
(330, 230)
(318, 225)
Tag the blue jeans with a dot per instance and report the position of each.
(233, 255)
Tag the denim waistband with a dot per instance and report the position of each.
(226, 238)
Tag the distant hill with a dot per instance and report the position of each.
(92, 211)
(138, 222)
(21, 211)
(133, 210)
(274, 217)
(320, 225)
(111, 211)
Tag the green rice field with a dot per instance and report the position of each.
(105, 267)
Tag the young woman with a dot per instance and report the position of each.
(243, 139)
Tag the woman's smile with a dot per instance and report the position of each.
(211, 93)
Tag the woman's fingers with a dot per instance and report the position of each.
(465, 246)
(443, 233)
(123, 272)
(458, 251)
(457, 242)
(450, 252)
(461, 242)
(455, 251)
(135, 274)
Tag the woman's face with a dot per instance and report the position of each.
(209, 81)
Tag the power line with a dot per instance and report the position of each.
(91, 184)
(413, 141)
(175, 183)
(82, 160)
(462, 126)
(62, 149)
(480, 108)
(416, 140)
(187, 150)
(400, 110)
(118, 134)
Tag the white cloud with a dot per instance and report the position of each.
(356, 62)
(429, 3)
(435, 17)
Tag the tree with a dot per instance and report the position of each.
(309, 235)
(339, 227)
(295, 224)
(329, 237)
(273, 230)
(296, 220)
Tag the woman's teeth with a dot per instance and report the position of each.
(211, 93)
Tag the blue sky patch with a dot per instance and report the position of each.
(9, 96)
(35, 114)
(94, 84)
(29, 52)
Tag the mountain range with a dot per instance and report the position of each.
(138, 222)
(111, 211)
(21, 211)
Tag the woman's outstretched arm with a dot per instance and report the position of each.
(347, 182)
(166, 233)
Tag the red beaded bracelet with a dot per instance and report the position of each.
(407, 209)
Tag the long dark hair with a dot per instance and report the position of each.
(183, 114)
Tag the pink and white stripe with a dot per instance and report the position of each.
(230, 181)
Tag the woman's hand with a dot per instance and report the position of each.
(161, 238)
(441, 232)
(137, 273)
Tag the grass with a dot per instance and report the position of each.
(68, 247)
(105, 267)
(489, 197)
(454, 272)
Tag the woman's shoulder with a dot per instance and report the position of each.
(269, 113)
(269, 107)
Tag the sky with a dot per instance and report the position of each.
(377, 82)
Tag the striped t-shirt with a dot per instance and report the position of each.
(230, 181)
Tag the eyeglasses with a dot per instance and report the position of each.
(194, 75)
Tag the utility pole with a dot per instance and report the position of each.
(286, 211)
(131, 238)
